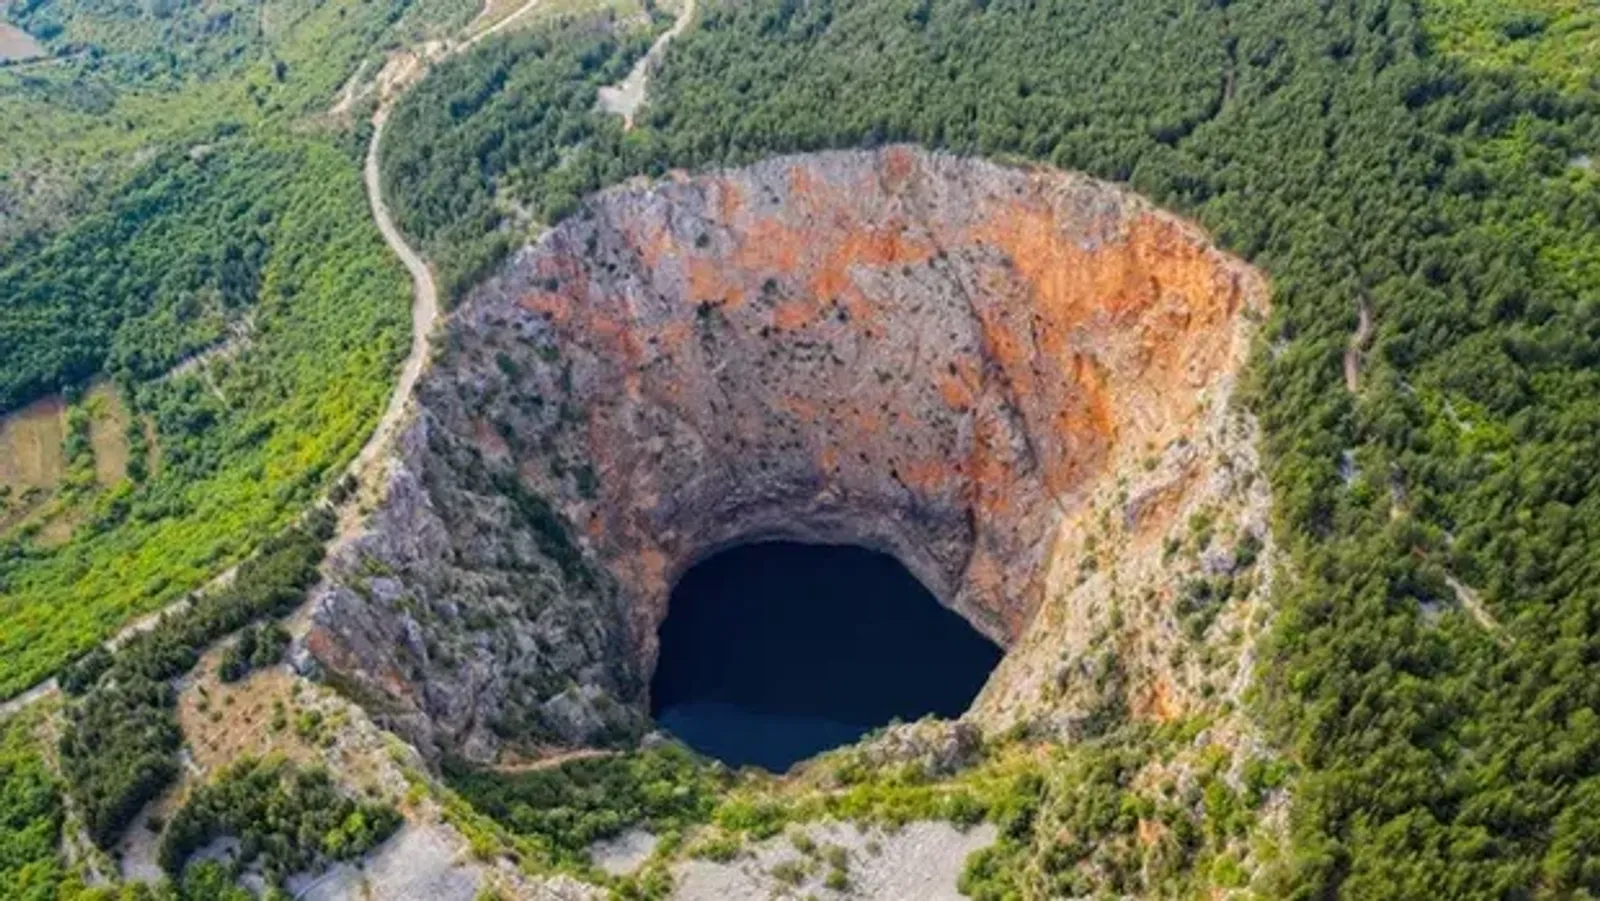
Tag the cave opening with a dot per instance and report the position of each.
(773, 652)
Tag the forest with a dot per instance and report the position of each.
(1433, 672)
(1369, 155)
(165, 46)
(136, 289)
(125, 79)
(566, 809)
(514, 106)
(243, 445)
(30, 828)
(119, 745)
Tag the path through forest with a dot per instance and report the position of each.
(624, 98)
(1469, 601)
(1358, 343)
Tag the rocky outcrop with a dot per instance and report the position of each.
(942, 358)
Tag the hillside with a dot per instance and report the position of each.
(1233, 366)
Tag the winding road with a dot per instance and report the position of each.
(424, 292)
(424, 301)
(424, 318)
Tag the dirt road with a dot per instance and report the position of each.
(424, 315)
(624, 98)
(424, 303)
(1358, 343)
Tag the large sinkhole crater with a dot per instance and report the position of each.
(935, 358)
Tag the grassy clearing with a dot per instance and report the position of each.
(31, 447)
(108, 434)
(59, 458)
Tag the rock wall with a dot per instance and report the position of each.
(943, 358)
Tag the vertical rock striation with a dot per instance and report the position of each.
(941, 358)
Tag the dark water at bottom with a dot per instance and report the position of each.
(773, 652)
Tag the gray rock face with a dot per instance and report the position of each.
(498, 630)
(925, 355)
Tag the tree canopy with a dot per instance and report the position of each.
(1339, 147)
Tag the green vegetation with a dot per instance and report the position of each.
(174, 182)
(258, 646)
(127, 77)
(134, 290)
(1086, 823)
(446, 155)
(1101, 814)
(1556, 40)
(30, 815)
(119, 746)
(119, 752)
(287, 820)
(1365, 154)
(243, 446)
(171, 45)
(562, 810)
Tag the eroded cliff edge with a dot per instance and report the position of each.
(999, 375)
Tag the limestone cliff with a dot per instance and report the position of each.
(964, 364)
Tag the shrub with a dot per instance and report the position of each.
(289, 819)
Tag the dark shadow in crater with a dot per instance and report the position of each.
(774, 652)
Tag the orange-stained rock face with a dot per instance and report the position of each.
(912, 351)
(933, 356)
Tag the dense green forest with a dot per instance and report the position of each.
(171, 183)
(1555, 40)
(496, 121)
(135, 289)
(566, 809)
(30, 814)
(1366, 154)
(244, 446)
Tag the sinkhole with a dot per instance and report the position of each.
(773, 652)
(962, 364)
